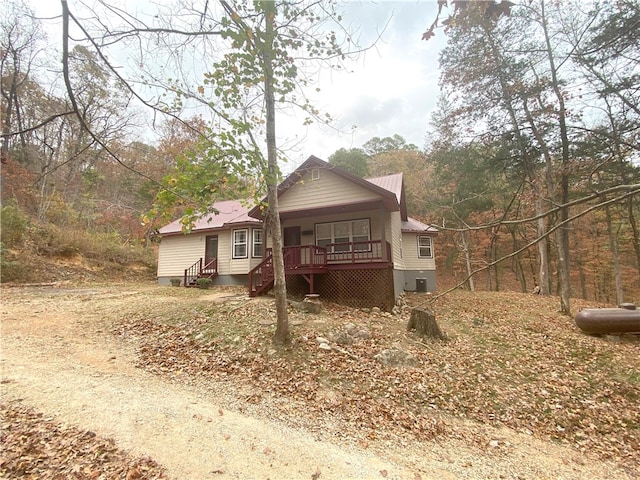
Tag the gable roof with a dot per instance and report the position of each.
(230, 213)
(389, 198)
(393, 183)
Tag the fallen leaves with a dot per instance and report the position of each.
(511, 360)
(35, 447)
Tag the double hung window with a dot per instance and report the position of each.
(257, 243)
(240, 243)
(425, 249)
(342, 235)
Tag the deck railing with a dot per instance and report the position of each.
(316, 259)
(368, 251)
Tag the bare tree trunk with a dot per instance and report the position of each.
(613, 246)
(465, 248)
(543, 251)
(636, 234)
(562, 234)
(518, 262)
(282, 335)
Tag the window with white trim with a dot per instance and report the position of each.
(240, 243)
(425, 249)
(344, 233)
(257, 243)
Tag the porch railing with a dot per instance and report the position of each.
(367, 251)
(315, 259)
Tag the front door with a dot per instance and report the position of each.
(292, 238)
(211, 249)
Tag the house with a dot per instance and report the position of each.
(345, 238)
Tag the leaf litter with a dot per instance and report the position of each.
(510, 360)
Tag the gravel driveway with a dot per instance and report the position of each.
(58, 356)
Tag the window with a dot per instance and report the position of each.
(315, 174)
(360, 233)
(257, 243)
(324, 234)
(341, 237)
(357, 232)
(240, 243)
(424, 247)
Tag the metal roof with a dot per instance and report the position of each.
(230, 212)
(413, 225)
(392, 183)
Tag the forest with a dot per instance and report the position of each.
(530, 171)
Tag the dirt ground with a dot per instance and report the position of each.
(60, 357)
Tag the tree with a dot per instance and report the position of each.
(512, 81)
(20, 43)
(378, 145)
(353, 160)
(258, 53)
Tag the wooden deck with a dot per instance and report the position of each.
(311, 260)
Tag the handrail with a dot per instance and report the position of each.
(261, 275)
(192, 273)
(198, 270)
(211, 267)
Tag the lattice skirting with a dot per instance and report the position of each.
(355, 288)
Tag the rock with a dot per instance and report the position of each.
(394, 357)
(401, 301)
(351, 328)
(362, 334)
(320, 340)
(311, 305)
(324, 346)
(375, 310)
(494, 443)
(365, 310)
(396, 310)
(343, 338)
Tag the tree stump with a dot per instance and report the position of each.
(423, 321)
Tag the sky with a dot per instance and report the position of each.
(390, 89)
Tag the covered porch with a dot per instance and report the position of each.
(307, 261)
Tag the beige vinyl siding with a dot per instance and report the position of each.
(179, 252)
(176, 253)
(226, 263)
(395, 238)
(410, 251)
(329, 189)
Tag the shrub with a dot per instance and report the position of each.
(14, 225)
(204, 282)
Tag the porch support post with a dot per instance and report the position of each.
(383, 233)
(309, 280)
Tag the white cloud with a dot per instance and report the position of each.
(391, 89)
